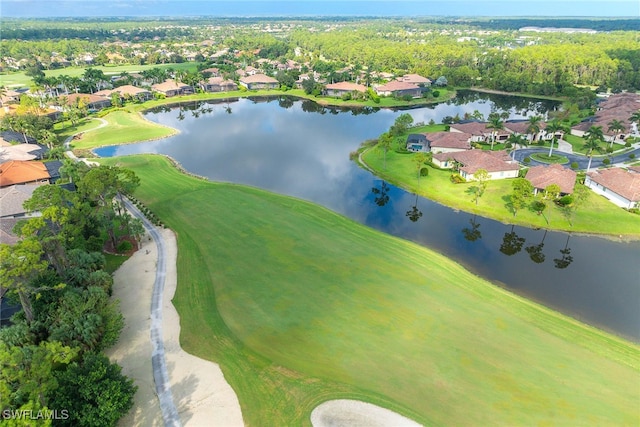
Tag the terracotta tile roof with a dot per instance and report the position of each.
(449, 140)
(543, 176)
(85, 97)
(393, 86)
(474, 128)
(346, 86)
(258, 78)
(168, 85)
(472, 160)
(130, 90)
(413, 78)
(620, 181)
(21, 172)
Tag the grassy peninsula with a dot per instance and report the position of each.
(299, 305)
(597, 215)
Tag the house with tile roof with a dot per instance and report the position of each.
(12, 198)
(620, 186)
(171, 88)
(259, 81)
(130, 91)
(448, 142)
(399, 89)
(415, 79)
(23, 172)
(339, 89)
(90, 100)
(218, 84)
(498, 164)
(617, 107)
(543, 176)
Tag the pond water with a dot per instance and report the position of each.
(301, 149)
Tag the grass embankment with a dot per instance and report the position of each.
(597, 215)
(123, 127)
(300, 305)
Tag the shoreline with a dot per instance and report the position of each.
(613, 237)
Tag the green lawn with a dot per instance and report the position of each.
(124, 127)
(299, 305)
(554, 158)
(597, 215)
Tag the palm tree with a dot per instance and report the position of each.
(553, 127)
(495, 123)
(635, 117)
(533, 127)
(615, 126)
(594, 136)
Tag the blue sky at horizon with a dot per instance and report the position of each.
(240, 8)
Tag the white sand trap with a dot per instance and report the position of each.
(354, 413)
(201, 394)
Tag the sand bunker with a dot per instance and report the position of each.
(354, 413)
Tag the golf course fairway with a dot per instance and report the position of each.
(300, 305)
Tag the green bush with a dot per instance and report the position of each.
(565, 200)
(632, 156)
(527, 160)
(606, 161)
(124, 246)
(435, 93)
(627, 144)
(457, 179)
(424, 172)
(574, 165)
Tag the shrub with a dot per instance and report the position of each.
(627, 144)
(606, 161)
(574, 165)
(424, 172)
(565, 200)
(632, 156)
(527, 160)
(435, 93)
(457, 179)
(124, 246)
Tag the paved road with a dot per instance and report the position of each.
(582, 160)
(158, 359)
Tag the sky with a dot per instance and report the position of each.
(265, 8)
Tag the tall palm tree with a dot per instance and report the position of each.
(615, 126)
(533, 126)
(594, 136)
(553, 127)
(495, 123)
(635, 117)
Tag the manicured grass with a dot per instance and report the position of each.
(597, 214)
(553, 159)
(124, 127)
(65, 129)
(300, 305)
(114, 262)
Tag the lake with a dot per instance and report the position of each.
(301, 149)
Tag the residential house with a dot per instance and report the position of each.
(171, 88)
(10, 97)
(521, 127)
(12, 199)
(213, 72)
(129, 91)
(620, 186)
(415, 79)
(339, 89)
(399, 89)
(480, 132)
(616, 107)
(543, 176)
(448, 142)
(498, 164)
(259, 81)
(90, 100)
(218, 84)
(16, 172)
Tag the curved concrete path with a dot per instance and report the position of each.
(67, 143)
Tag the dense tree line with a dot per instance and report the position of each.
(50, 356)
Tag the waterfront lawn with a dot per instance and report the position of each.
(596, 215)
(299, 305)
(123, 127)
(65, 129)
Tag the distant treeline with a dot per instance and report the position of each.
(594, 24)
